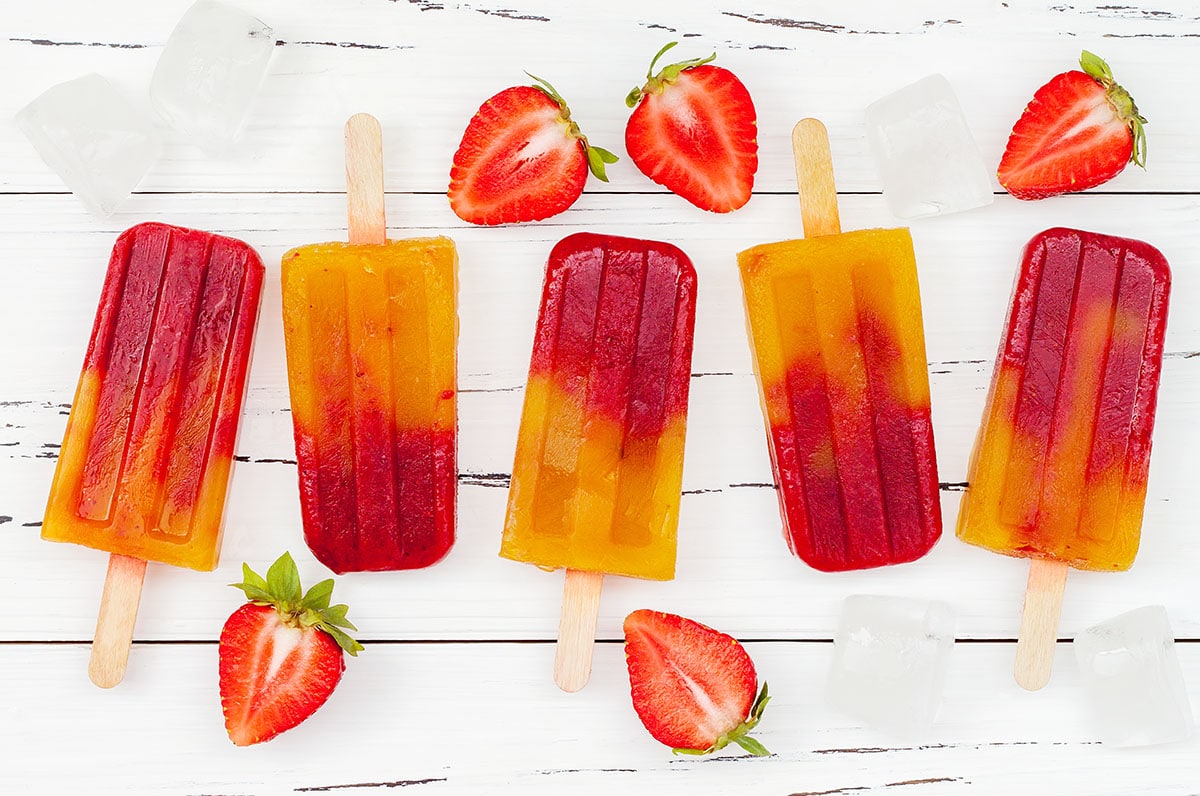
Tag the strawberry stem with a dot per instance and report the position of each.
(1096, 68)
(669, 74)
(596, 157)
(740, 734)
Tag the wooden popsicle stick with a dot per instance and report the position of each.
(364, 179)
(814, 179)
(114, 625)
(577, 629)
(1039, 622)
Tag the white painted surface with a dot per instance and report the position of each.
(485, 717)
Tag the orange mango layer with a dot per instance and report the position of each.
(371, 334)
(599, 461)
(1060, 465)
(839, 351)
(146, 459)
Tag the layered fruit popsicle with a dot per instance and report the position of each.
(1060, 464)
(148, 451)
(839, 352)
(1059, 469)
(599, 461)
(370, 333)
(371, 329)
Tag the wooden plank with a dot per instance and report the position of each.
(338, 58)
(490, 720)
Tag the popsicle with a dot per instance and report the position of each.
(839, 352)
(599, 460)
(1058, 473)
(370, 329)
(148, 451)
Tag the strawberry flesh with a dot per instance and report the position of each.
(281, 654)
(693, 687)
(521, 159)
(1080, 130)
(273, 676)
(696, 135)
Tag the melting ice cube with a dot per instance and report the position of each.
(1133, 679)
(209, 73)
(889, 660)
(929, 162)
(94, 138)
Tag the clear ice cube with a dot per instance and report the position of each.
(209, 74)
(1133, 679)
(926, 156)
(93, 137)
(889, 661)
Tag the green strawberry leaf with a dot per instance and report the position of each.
(283, 579)
(317, 598)
(344, 641)
(760, 704)
(252, 578)
(597, 157)
(752, 745)
(1095, 66)
(254, 594)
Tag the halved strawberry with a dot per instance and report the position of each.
(280, 654)
(1078, 131)
(693, 687)
(522, 158)
(694, 131)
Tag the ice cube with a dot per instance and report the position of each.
(209, 73)
(94, 138)
(889, 660)
(1133, 679)
(926, 156)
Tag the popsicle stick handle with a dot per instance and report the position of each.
(1039, 622)
(114, 625)
(577, 629)
(814, 178)
(364, 179)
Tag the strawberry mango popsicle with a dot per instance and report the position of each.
(371, 330)
(839, 352)
(1060, 466)
(148, 450)
(599, 460)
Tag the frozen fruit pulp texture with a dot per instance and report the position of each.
(599, 461)
(1060, 464)
(839, 351)
(148, 451)
(371, 334)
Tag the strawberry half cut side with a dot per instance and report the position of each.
(1080, 130)
(694, 131)
(694, 688)
(281, 654)
(522, 158)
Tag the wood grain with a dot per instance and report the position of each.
(814, 179)
(577, 629)
(364, 179)
(117, 616)
(1037, 638)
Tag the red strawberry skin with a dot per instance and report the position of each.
(691, 685)
(1080, 130)
(272, 676)
(698, 136)
(517, 161)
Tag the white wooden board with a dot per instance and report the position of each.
(454, 687)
